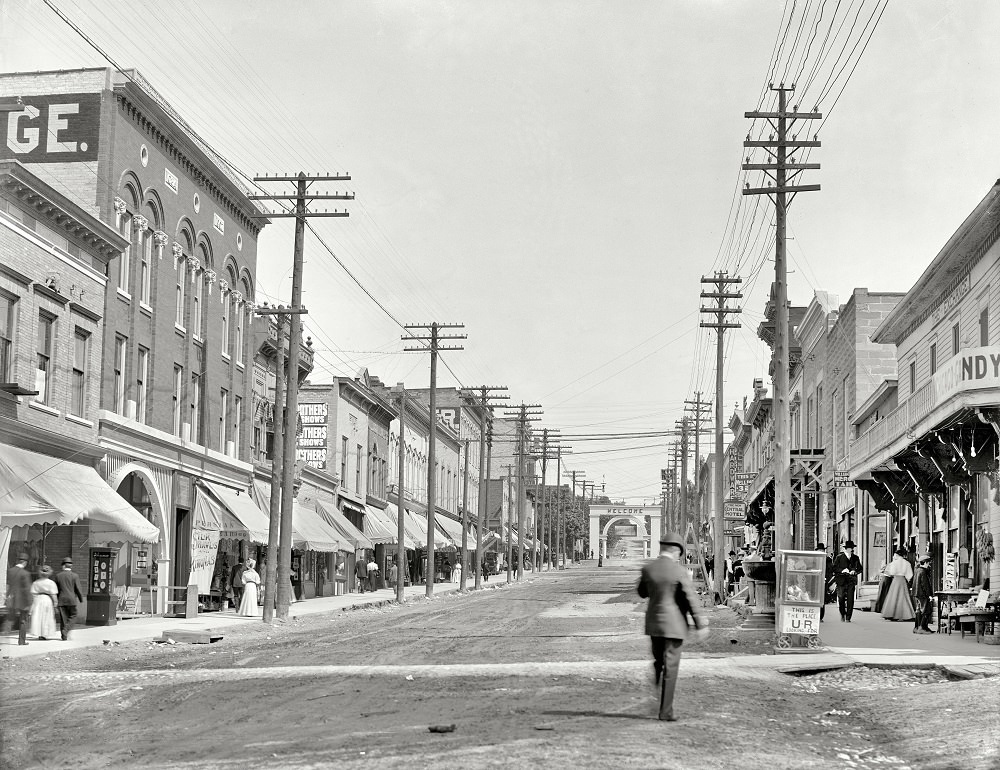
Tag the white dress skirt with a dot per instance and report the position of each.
(248, 604)
(43, 609)
(897, 604)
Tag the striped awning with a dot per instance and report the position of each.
(378, 526)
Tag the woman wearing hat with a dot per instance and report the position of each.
(43, 605)
(899, 573)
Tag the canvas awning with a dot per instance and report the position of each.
(237, 514)
(41, 489)
(351, 538)
(378, 527)
(452, 530)
(412, 538)
(419, 522)
(310, 529)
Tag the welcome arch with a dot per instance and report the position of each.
(637, 514)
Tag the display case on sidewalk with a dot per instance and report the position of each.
(799, 597)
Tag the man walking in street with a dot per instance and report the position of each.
(846, 568)
(19, 599)
(923, 595)
(672, 600)
(69, 598)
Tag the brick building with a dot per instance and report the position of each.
(53, 258)
(177, 364)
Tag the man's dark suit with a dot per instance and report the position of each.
(18, 600)
(69, 598)
(665, 582)
(846, 582)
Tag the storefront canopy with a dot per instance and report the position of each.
(310, 529)
(40, 489)
(419, 522)
(452, 529)
(378, 527)
(236, 514)
(412, 537)
(351, 537)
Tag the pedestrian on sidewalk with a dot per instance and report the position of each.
(923, 594)
(846, 568)
(393, 576)
(44, 594)
(361, 572)
(899, 573)
(236, 582)
(251, 581)
(672, 600)
(829, 582)
(70, 596)
(18, 599)
(372, 568)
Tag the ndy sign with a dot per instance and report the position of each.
(971, 369)
(61, 128)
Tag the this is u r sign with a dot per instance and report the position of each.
(59, 128)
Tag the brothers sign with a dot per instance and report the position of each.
(61, 128)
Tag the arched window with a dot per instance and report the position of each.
(197, 308)
(187, 244)
(240, 313)
(124, 220)
(227, 313)
(146, 254)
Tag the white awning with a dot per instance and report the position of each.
(310, 530)
(41, 489)
(378, 527)
(352, 537)
(241, 518)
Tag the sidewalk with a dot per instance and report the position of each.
(152, 627)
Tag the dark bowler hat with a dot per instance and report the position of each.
(849, 544)
(672, 538)
(67, 560)
(23, 557)
(820, 546)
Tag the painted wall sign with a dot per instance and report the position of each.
(61, 128)
(949, 302)
(314, 457)
(971, 369)
(312, 437)
(313, 414)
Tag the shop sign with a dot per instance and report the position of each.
(204, 547)
(951, 571)
(799, 620)
(60, 128)
(742, 482)
(313, 414)
(971, 369)
(841, 479)
(734, 509)
(732, 532)
(312, 437)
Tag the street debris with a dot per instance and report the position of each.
(409, 677)
(870, 678)
(442, 728)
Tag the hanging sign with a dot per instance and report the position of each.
(841, 479)
(734, 510)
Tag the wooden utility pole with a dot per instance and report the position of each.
(698, 409)
(481, 395)
(509, 555)
(400, 488)
(525, 414)
(433, 340)
(277, 465)
(777, 167)
(581, 474)
(721, 312)
(290, 434)
(685, 449)
(465, 520)
(560, 514)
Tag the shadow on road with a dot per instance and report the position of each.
(607, 714)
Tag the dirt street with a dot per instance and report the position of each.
(548, 673)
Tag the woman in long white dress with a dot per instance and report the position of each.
(43, 606)
(897, 604)
(251, 584)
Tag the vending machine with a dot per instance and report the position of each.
(799, 598)
(102, 603)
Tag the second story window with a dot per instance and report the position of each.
(7, 308)
(357, 469)
(141, 384)
(237, 424)
(178, 398)
(913, 377)
(125, 263)
(956, 342)
(984, 327)
(933, 358)
(43, 367)
(343, 460)
(238, 311)
(223, 417)
(194, 420)
(196, 295)
(225, 325)
(145, 266)
(181, 280)
(119, 374)
(78, 387)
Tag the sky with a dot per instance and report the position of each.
(559, 176)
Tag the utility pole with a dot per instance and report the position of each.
(560, 516)
(277, 465)
(684, 451)
(525, 414)
(400, 486)
(545, 517)
(484, 400)
(675, 456)
(698, 408)
(721, 312)
(433, 340)
(300, 214)
(509, 556)
(574, 474)
(465, 520)
(778, 165)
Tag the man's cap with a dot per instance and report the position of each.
(732, 553)
(67, 560)
(23, 557)
(672, 538)
(820, 546)
(849, 544)
(925, 559)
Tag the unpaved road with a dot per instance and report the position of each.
(547, 674)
